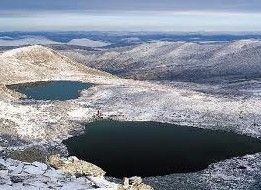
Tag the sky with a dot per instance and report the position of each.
(130, 15)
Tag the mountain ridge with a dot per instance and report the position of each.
(36, 63)
(179, 60)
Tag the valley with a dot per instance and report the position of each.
(228, 103)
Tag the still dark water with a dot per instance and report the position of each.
(152, 149)
(51, 90)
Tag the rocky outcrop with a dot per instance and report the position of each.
(74, 166)
(72, 173)
(23, 175)
(134, 183)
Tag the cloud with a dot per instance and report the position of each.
(174, 5)
(129, 21)
(162, 15)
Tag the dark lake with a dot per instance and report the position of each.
(51, 90)
(152, 149)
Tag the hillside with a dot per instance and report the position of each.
(87, 43)
(45, 124)
(40, 40)
(26, 41)
(180, 61)
(36, 63)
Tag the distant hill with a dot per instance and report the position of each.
(38, 40)
(26, 41)
(41, 63)
(184, 61)
(87, 43)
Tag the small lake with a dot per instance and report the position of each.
(51, 90)
(153, 149)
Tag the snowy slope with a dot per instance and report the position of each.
(180, 60)
(34, 40)
(87, 43)
(135, 100)
(41, 63)
(26, 41)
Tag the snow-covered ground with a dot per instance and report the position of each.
(26, 41)
(47, 122)
(232, 174)
(87, 43)
(180, 61)
(34, 40)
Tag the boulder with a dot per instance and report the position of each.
(40, 165)
(134, 183)
(33, 170)
(74, 166)
(18, 169)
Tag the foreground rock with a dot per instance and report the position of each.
(22, 175)
(134, 183)
(72, 173)
(74, 166)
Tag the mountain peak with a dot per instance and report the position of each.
(35, 54)
(35, 63)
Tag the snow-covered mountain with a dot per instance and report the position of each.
(179, 60)
(41, 63)
(35, 40)
(87, 43)
(26, 41)
(51, 122)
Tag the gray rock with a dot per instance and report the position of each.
(3, 167)
(3, 173)
(53, 174)
(38, 184)
(2, 162)
(30, 169)
(23, 176)
(76, 186)
(18, 169)
(4, 181)
(19, 178)
(41, 166)
(12, 162)
(7, 187)
(26, 186)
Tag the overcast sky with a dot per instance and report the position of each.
(133, 15)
